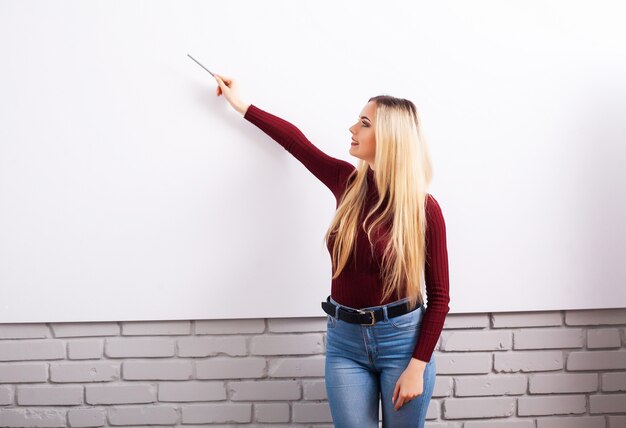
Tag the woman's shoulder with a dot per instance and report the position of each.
(433, 209)
(430, 199)
(347, 172)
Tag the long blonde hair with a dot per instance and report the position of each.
(403, 172)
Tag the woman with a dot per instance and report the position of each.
(386, 231)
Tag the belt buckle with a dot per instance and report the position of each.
(373, 316)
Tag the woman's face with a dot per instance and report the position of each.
(363, 144)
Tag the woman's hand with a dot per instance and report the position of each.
(410, 384)
(229, 87)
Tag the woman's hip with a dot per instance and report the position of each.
(391, 337)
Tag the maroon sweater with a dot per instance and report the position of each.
(359, 285)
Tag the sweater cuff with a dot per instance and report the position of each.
(251, 112)
(423, 353)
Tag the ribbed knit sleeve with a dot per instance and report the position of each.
(326, 168)
(437, 283)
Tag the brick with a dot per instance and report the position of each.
(85, 349)
(287, 344)
(526, 319)
(297, 367)
(475, 340)
(192, 391)
(217, 413)
(231, 326)
(596, 360)
(314, 390)
(88, 371)
(507, 423)
(464, 363)
(231, 368)
(264, 390)
(90, 329)
(296, 325)
(157, 370)
(271, 412)
(571, 422)
(433, 412)
(21, 350)
(143, 415)
(23, 372)
(20, 418)
(443, 386)
(209, 346)
(607, 403)
(91, 417)
(156, 328)
(596, 317)
(614, 382)
(551, 405)
(444, 424)
(528, 361)
(6, 395)
(467, 408)
(131, 393)
(311, 412)
(50, 395)
(24, 331)
(563, 382)
(468, 386)
(603, 338)
(466, 321)
(139, 347)
(553, 338)
(617, 421)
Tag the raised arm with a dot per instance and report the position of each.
(326, 168)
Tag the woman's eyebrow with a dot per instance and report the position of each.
(365, 117)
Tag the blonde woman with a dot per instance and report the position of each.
(387, 236)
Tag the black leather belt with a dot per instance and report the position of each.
(365, 316)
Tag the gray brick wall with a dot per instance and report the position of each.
(520, 370)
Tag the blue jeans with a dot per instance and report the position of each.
(364, 362)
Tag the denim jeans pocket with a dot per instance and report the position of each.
(407, 321)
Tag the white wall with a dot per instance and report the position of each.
(129, 191)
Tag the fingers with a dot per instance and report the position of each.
(399, 402)
(219, 81)
(223, 79)
(395, 393)
(402, 400)
(399, 399)
(227, 86)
